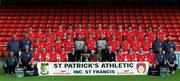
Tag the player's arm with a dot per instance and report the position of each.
(174, 61)
(16, 61)
(20, 44)
(174, 46)
(68, 59)
(20, 62)
(157, 63)
(31, 61)
(8, 46)
(5, 62)
(165, 60)
(114, 57)
(168, 63)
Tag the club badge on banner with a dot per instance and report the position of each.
(92, 68)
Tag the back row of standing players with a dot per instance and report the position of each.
(51, 45)
(115, 37)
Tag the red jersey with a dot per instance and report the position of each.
(131, 57)
(60, 34)
(129, 35)
(134, 57)
(98, 32)
(108, 33)
(43, 56)
(53, 56)
(40, 36)
(37, 44)
(35, 55)
(71, 33)
(31, 35)
(58, 44)
(80, 31)
(141, 57)
(135, 45)
(146, 45)
(114, 45)
(128, 57)
(63, 56)
(68, 44)
(161, 35)
(120, 57)
(151, 35)
(119, 35)
(48, 45)
(140, 35)
(92, 31)
(150, 58)
(124, 45)
(51, 35)
(90, 43)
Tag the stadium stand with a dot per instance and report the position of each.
(17, 19)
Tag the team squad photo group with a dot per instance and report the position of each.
(113, 43)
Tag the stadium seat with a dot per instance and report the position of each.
(17, 20)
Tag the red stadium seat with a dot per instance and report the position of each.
(43, 25)
(92, 21)
(50, 21)
(37, 21)
(30, 21)
(57, 21)
(18, 19)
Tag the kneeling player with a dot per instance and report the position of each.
(63, 55)
(141, 55)
(171, 61)
(120, 56)
(26, 58)
(53, 54)
(130, 56)
(35, 54)
(150, 56)
(10, 63)
(44, 56)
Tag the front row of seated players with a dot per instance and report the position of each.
(101, 55)
(28, 59)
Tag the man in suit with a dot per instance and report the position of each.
(110, 55)
(26, 58)
(167, 44)
(73, 56)
(13, 45)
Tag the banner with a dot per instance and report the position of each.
(92, 68)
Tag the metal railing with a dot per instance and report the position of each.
(178, 58)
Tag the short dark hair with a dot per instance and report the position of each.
(145, 35)
(150, 48)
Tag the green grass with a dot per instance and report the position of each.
(175, 77)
